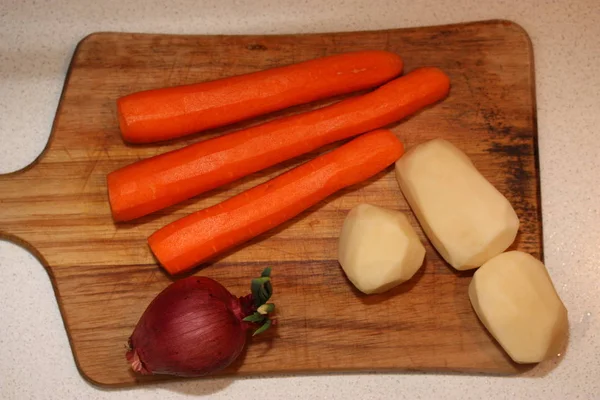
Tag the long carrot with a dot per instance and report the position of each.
(158, 182)
(167, 113)
(197, 237)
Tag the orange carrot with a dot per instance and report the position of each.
(198, 237)
(161, 181)
(167, 113)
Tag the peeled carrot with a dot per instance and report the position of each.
(161, 181)
(167, 113)
(198, 237)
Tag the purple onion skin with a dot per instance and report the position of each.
(192, 328)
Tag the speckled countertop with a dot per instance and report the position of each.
(37, 39)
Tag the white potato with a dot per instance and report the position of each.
(378, 248)
(515, 299)
(466, 218)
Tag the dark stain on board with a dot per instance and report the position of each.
(256, 46)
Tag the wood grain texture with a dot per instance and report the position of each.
(104, 274)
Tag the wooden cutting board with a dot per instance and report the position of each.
(104, 274)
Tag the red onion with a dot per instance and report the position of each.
(195, 327)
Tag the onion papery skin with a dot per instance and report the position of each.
(192, 328)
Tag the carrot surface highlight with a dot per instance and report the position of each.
(196, 238)
(167, 113)
(161, 181)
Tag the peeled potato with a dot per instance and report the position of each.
(378, 248)
(466, 218)
(515, 299)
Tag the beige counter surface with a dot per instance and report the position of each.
(37, 39)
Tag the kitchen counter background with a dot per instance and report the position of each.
(37, 39)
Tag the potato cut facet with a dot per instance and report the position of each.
(378, 248)
(466, 218)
